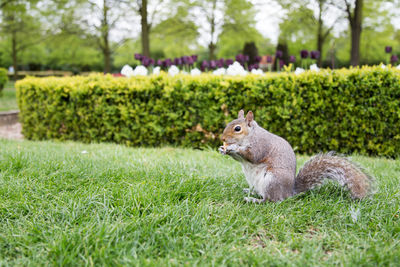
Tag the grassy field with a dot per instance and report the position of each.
(8, 99)
(73, 204)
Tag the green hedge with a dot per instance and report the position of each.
(3, 78)
(356, 110)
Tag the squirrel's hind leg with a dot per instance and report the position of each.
(249, 191)
(254, 200)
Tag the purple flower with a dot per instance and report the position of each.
(145, 61)
(279, 54)
(183, 60)
(253, 66)
(229, 61)
(138, 56)
(159, 62)
(177, 61)
(304, 54)
(315, 54)
(394, 58)
(388, 49)
(194, 57)
(292, 59)
(246, 58)
(167, 62)
(281, 63)
(152, 61)
(269, 59)
(190, 61)
(213, 64)
(220, 63)
(257, 59)
(204, 65)
(240, 58)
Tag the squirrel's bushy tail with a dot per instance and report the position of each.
(336, 168)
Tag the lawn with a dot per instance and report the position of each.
(8, 99)
(102, 204)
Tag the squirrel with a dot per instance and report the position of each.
(269, 164)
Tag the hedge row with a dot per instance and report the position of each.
(356, 110)
(3, 78)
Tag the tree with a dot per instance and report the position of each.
(354, 10)
(310, 14)
(151, 17)
(99, 27)
(141, 7)
(4, 3)
(239, 25)
(354, 16)
(212, 11)
(378, 32)
(21, 27)
(109, 14)
(323, 32)
(297, 31)
(225, 19)
(176, 29)
(145, 28)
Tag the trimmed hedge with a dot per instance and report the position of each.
(3, 78)
(356, 110)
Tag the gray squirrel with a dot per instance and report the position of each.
(269, 164)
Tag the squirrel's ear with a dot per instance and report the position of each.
(249, 117)
(241, 114)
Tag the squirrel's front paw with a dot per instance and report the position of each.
(232, 148)
(222, 150)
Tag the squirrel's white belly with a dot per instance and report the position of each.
(257, 176)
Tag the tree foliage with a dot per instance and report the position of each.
(83, 35)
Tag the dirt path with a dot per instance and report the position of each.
(12, 131)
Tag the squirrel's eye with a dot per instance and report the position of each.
(238, 128)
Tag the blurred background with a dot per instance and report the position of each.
(78, 36)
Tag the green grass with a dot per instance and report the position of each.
(156, 207)
(8, 99)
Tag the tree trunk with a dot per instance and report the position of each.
(212, 46)
(107, 60)
(106, 44)
(145, 29)
(211, 51)
(320, 38)
(106, 53)
(332, 52)
(356, 27)
(14, 54)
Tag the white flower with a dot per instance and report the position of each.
(156, 70)
(127, 71)
(314, 67)
(173, 70)
(220, 71)
(383, 66)
(298, 71)
(84, 152)
(257, 71)
(236, 69)
(398, 67)
(195, 72)
(140, 70)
